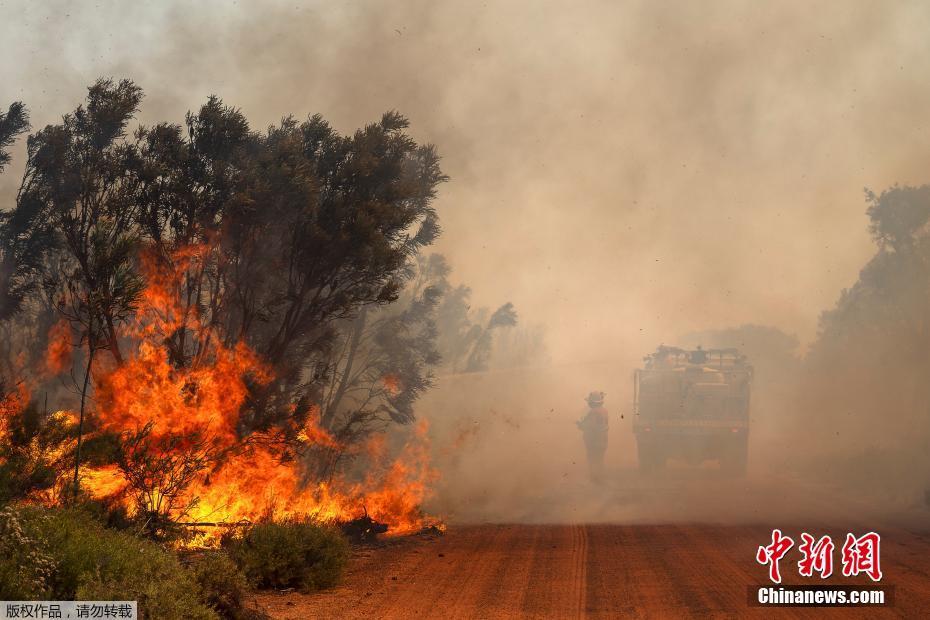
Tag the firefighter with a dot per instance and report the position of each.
(594, 431)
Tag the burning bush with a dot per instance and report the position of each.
(292, 554)
(33, 450)
(159, 471)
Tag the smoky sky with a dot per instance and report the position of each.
(621, 171)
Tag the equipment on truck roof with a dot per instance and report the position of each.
(692, 405)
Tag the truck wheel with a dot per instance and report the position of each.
(734, 463)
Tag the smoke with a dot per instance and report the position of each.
(623, 172)
(634, 168)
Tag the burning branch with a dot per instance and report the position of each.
(160, 470)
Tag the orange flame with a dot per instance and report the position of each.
(391, 384)
(104, 481)
(58, 352)
(247, 478)
(10, 405)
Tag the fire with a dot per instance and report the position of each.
(9, 405)
(255, 484)
(105, 481)
(207, 400)
(58, 352)
(406, 484)
(185, 455)
(391, 384)
(312, 434)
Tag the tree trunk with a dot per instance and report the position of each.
(330, 413)
(114, 342)
(77, 455)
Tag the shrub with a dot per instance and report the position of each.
(94, 563)
(30, 441)
(25, 569)
(223, 586)
(299, 554)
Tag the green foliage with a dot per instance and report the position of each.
(299, 554)
(886, 309)
(26, 569)
(305, 227)
(222, 585)
(12, 123)
(94, 563)
(12, 291)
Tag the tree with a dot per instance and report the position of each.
(866, 374)
(78, 198)
(304, 227)
(13, 286)
(31, 441)
(480, 355)
(13, 122)
(886, 309)
(200, 238)
(381, 363)
(456, 335)
(467, 337)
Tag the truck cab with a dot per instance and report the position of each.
(692, 405)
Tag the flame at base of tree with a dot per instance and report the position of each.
(182, 459)
(185, 454)
(255, 485)
(202, 275)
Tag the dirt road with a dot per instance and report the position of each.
(595, 571)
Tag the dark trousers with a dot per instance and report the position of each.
(596, 446)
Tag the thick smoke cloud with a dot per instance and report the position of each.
(627, 170)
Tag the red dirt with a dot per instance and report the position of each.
(596, 571)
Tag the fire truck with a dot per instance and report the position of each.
(692, 406)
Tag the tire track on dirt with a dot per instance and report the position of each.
(580, 564)
(510, 581)
(556, 588)
(731, 568)
(622, 575)
(464, 565)
(595, 571)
